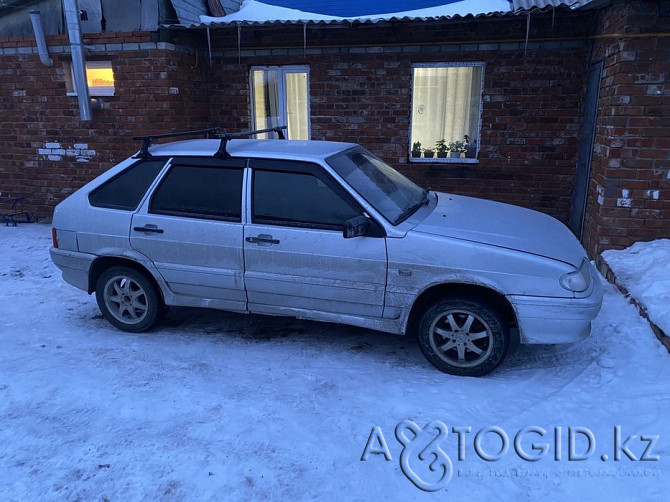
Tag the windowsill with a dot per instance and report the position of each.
(446, 160)
(93, 94)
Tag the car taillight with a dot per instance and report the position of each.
(54, 237)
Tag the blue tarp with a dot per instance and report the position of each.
(352, 8)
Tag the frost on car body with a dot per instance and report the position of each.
(323, 231)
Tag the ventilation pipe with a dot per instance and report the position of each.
(78, 61)
(42, 48)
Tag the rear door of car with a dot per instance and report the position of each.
(296, 258)
(191, 228)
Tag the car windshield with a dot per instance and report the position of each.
(394, 196)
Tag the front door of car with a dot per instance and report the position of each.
(191, 228)
(296, 258)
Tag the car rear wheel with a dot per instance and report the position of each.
(128, 299)
(463, 336)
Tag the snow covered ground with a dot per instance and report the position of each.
(216, 406)
(644, 270)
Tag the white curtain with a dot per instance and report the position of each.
(280, 97)
(445, 104)
(296, 105)
(265, 98)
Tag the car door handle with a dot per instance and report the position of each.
(152, 229)
(262, 239)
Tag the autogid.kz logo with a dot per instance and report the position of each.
(425, 462)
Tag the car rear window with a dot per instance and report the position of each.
(211, 192)
(125, 190)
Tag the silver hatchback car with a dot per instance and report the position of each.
(323, 231)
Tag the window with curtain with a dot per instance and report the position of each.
(280, 96)
(446, 112)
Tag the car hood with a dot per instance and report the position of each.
(502, 225)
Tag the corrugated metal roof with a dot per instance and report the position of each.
(254, 12)
(189, 11)
(527, 5)
(260, 13)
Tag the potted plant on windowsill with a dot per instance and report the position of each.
(442, 148)
(428, 153)
(458, 148)
(416, 149)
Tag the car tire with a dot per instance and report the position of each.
(463, 336)
(128, 299)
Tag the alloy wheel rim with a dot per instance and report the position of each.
(461, 338)
(126, 300)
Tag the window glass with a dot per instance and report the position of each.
(99, 77)
(200, 192)
(297, 113)
(126, 189)
(446, 110)
(265, 99)
(384, 188)
(280, 97)
(298, 199)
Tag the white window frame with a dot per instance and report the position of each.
(99, 90)
(282, 71)
(447, 160)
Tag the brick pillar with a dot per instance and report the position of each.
(629, 193)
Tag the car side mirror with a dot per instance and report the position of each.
(356, 227)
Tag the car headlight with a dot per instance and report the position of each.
(579, 280)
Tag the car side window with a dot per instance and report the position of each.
(298, 199)
(205, 191)
(126, 189)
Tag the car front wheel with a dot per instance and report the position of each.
(463, 336)
(128, 299)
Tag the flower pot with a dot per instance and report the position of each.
(454, 155)
(441, 155)
(428, 154)
(416, 153)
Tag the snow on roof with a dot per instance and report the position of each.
(255, 12)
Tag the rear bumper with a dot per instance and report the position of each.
(557, 320)
(74, 265)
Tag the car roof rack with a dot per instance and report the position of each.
(146, 140)
(213, 131)
(222, 152)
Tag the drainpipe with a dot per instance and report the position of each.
(42, 48)
(78, 62)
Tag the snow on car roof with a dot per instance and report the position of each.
(252, 148)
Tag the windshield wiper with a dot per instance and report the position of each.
(410, 210)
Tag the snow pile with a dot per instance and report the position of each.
(253, 11)
(644, 270)
(219, 406)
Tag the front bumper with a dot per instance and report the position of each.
(557, 320)
(74, 265)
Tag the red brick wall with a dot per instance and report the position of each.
(36, 111)
(360, 92)
(629, 196)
